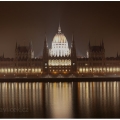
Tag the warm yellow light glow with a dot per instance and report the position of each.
(59, 46)
(83, 69)
(86, 69)
(59, 62)
(11, 70)
(8, 70)
(54, 72)
(107, 69)
(110, 69)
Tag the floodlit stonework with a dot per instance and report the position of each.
(59, 61)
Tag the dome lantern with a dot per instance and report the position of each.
(59, 37)
(59, 29)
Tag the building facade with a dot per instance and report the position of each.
(59, 60)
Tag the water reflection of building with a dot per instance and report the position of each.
(59, 60)
(60, 99)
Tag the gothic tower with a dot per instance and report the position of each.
(73, 56)
(24, 52)
(31, 50)
(45, 56)
(97, 52)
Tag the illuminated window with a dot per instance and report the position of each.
(117, 69)
(104, 69)
(83, 69)
(8, 70)
(86, 69)
(11, 70)
(114, 69)
(32, 69)
(111, 69)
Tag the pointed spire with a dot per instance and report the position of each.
(59, 28)
(45, 48)
(73, 48)
(45, 41)
(45, 38)
(73, 42)
(73, 37)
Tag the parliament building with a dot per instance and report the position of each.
(59, 61)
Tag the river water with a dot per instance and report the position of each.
(60, 99)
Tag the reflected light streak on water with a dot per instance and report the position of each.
(60, 100)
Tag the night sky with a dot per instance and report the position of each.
(25, 21)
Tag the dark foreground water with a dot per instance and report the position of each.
(60, 99)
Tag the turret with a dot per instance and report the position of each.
(45, 56)
(59, 29)
(45, 49)
(73, 48)
(31, 50)
(73, 56)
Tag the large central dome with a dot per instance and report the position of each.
(59, 45)
(59, 37)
